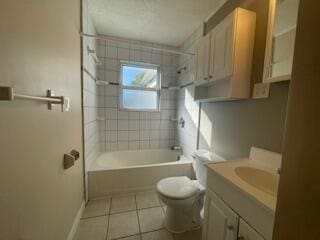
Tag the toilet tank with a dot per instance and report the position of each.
(201, 157)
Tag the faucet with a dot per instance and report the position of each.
(178, 148)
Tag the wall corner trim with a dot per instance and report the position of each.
(76, 222)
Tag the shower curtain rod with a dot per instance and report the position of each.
(135, 44)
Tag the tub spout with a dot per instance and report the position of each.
(178, 148)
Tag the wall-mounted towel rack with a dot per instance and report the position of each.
(7, 94)
(93, 54)
(97, 81)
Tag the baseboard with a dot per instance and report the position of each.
(76, 222)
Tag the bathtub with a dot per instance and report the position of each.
(128, 171)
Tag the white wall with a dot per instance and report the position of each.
(187, 108)
(124, 130)
(90, 89)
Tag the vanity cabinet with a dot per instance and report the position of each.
(222, 223)
(224, 58)
(246, 232)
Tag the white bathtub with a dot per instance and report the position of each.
(126, 171)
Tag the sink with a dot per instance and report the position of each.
(260, 179)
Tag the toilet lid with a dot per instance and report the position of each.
(177, 187)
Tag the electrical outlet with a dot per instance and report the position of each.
(261, 90)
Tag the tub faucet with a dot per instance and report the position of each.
(178, 148)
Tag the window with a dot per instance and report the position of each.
(139, 87)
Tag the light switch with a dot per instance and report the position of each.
(261, 90)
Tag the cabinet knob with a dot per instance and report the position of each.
(210, 77)
(240, 237)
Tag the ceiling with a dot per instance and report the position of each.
(167, 22)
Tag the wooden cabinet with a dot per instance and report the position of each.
(221, 54)
(246, 232)
(224, 58)
(202, 61)
(221, 222)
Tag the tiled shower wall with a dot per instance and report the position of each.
(123, 130)
(187, 108)
(90, 97)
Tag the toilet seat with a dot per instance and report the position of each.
(178, 188)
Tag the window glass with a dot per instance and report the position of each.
(139, 77)
(140, 87)
(139, 99)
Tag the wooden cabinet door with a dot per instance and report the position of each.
(221, 222)
(222, 43)
(203, 58)
(246, 232)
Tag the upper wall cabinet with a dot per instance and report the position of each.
(281, 36)
(224, 59)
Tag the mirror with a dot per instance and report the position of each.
(283, 16)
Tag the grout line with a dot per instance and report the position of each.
(109, 218)
(102, 215)
(124, 237)
(135, 200)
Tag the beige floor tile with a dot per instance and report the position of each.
(191, 235)
(96, 208)
(92, 228)
(151, 219)
(123, 225)
(123, 203)
(147, 199)
(135, 237)
(157, 235)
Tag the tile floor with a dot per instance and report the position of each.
(136, 216)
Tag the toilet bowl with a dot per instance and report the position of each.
(184, 200)
(184, 197)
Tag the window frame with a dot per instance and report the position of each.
(156, 89)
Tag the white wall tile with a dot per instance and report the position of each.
(111, 52)
(155, 124)
(123, 125)
(134, 115)
(134, 135)
(145, 135)
(123, 54)
(123, 115)
(111, 113)
(123, 145)
(134, 145)
(146, 57)
(111, 125)
(134, 124)
(123, 135)
(132, 128)
(145, 124)
(111, 136)
(135, 55)
(144, 144)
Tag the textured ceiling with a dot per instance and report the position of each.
(167, 22)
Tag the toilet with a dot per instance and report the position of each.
(184, 197)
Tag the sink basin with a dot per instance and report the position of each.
(260, 179)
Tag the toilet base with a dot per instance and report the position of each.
(180, 221)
